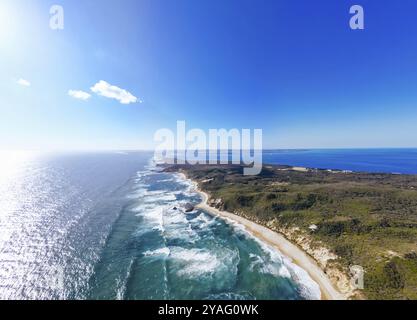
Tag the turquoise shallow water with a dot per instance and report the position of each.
(111, 226)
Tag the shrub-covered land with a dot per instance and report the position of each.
(366, 219)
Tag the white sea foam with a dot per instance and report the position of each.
(158, 252)
(122, 282)
(155, 192)
(166, 180)
(282, 266)
(286, 268)
(190, 185)
(142, 174)
(204, 221)
(138, 192)
(308, 288)
(196, 262)
(181, 231)
(143, 194)
(154, 216)
(163, 197)
(230, 296)
(175, 218)
(274, 267)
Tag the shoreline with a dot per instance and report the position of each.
(287, 248)
(290, 250)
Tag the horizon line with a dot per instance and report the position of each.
(207, 150)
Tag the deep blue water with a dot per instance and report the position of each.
(402, 161)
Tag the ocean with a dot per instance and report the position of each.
(398, 161)
(111, 225)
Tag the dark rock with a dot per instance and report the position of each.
(188, 207)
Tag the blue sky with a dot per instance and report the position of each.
(292, 68)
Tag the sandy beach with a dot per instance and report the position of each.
(290, 250)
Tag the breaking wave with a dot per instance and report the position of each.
(193, 255)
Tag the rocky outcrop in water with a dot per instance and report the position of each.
(188, 207)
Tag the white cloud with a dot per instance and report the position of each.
(78, 94)
(23, 82)
(105, 89)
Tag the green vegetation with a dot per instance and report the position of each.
(366, 219)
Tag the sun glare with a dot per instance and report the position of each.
(11, 161)
(8, 23)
